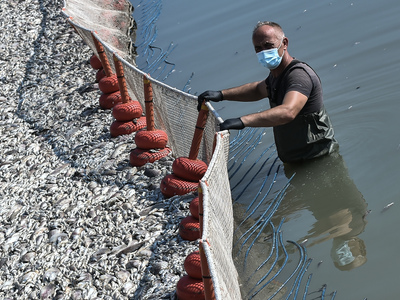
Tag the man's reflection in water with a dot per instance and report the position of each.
(323, 187)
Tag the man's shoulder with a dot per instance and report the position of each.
(297, 64)
(302, 70)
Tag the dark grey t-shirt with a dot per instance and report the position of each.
(311, 133)
(302, 81)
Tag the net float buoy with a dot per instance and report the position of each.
(194, 207)
(109, 84)
(107, 101)
(189, 288)
(189, 169)
(140, 157)
(127, 111)
(118, 128)
(95, 62)
(189, 229)
(192, 265)
(172, 185)
(155, 139)
(100, 74)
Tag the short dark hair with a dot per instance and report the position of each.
(276, 26)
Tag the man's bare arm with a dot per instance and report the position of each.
(279, 115)
(248, 92)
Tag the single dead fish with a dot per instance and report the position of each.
(304, 242)
(386, 207)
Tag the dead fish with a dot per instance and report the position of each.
(28, 277)
(59, 169)
(47, 291)
(51, 274)
(123, 275)
(27, 257)
(13, 238)
(7, 285)
(127, 287)
(56, 236)
(77, 232)
(304, 242)
(386, 207)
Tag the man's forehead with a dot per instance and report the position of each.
(265, 35)
(265, 28)
(265, 31)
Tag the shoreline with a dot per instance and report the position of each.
(77, 220)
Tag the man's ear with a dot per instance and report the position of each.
(285, 42)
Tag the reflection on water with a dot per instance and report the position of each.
(320, 190)
(351, 44)
(324, 188)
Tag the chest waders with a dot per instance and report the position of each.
(308, 135)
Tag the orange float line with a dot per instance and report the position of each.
(200, 192)
(198, 133)
(148, 100)
(121, 80)
(102, 56)
(208, 284)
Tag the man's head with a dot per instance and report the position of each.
(268, 35)
(270, 45)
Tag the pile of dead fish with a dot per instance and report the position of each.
(76, 220)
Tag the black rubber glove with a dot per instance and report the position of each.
(231, 124)
(215, 96)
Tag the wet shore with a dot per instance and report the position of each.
(77, 221)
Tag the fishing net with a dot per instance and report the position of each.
(235, 167)
(175, 112)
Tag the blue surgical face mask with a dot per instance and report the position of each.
(270, 58)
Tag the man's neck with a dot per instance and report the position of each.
(286, 60)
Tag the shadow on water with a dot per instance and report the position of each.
(268, 197)
(324, 188)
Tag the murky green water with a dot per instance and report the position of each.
(354, 47)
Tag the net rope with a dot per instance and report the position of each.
(174, 112)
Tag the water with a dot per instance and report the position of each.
(353, 45)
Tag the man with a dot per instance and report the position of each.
(302, 128)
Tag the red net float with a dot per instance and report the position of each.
(100, 74)
(108, 101)
(192, 265)
(140, 122)
(120, 128)
(189, 229)
(140, 157)
(194, 207)
(156, 139)
(109, 84)
(95, 62)
(189, 288)
(172, 185)
(127, 111)
(189, 169)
